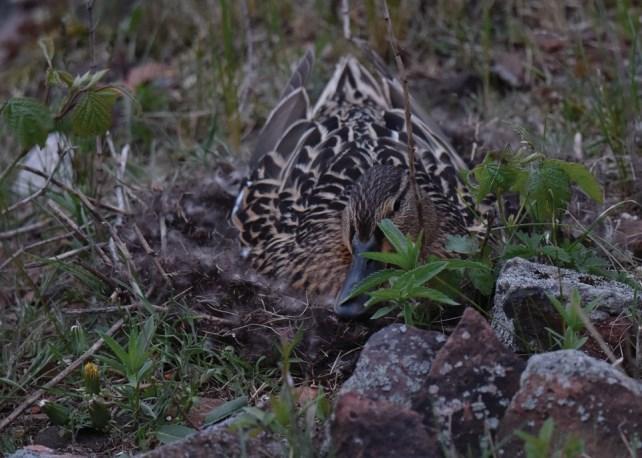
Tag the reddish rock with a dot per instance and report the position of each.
(587, 399)
(471, 383)
(394, 364)
(362, 427)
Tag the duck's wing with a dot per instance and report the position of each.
(293, 106)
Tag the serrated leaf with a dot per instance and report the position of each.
(582, 176)
(172, 433)
(29, 120)
(91, 115)
(462, 244)
(547, 190)
(371, 281)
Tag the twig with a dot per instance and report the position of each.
(61, 257)
(25, 229)
(34, 245)
(67, 221)
(345, 15)
(150, 252)
(412, 174)
(92, 34)
(58, 378)
(40, 191)
(114, 309)
(70, 190)
(595, 334)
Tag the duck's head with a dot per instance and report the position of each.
(382, 192)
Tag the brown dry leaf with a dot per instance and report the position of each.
(548, 41)
(147, 72)
(509, 67)
(201, 408)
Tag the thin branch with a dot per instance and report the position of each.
(114, 309)
(40, 191)
(151, 253)
(58, 378)
(92, 33)
(23, 230)
(345, 15)
(412, 174)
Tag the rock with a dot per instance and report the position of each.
(587, 398)
(522, 312)
(40, 451)
(220, 441)
(394, 364)
(470, 385)
(362, 427)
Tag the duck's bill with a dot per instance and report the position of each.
(360, 268)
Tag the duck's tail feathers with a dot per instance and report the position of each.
(293, 106)
(351, 83)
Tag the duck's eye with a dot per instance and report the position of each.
(397, 205)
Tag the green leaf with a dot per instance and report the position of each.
(462, 244)
(422, 274)
(225, 410)
(383, 311)
(433, 295)
(372, 281)
(172, 433)
(396, 259)
(92, 114)
(394, 235)
(29, 120)
(581, 175)
(483, 280)
(116, 349)
(548, 190)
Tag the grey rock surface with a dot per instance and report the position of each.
(521, 309)
(394, 364)
(587, 399)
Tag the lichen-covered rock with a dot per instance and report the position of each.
(587, 399)
(219, 441)
(362, 427)
(522, 311)
(470, 385)
(394, 364)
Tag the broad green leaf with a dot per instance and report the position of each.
(462, 244)
(383, 311)
(496, 177)
(396, 259)
(172, 433)
(433, 295)
(396, 238)
(29, 120)
(422, 274)
(225, 410)
(579, 174)
(372, 281)
(92, 114)
(548, 190)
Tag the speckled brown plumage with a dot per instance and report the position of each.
(326, 174)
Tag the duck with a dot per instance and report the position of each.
(324, 175)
